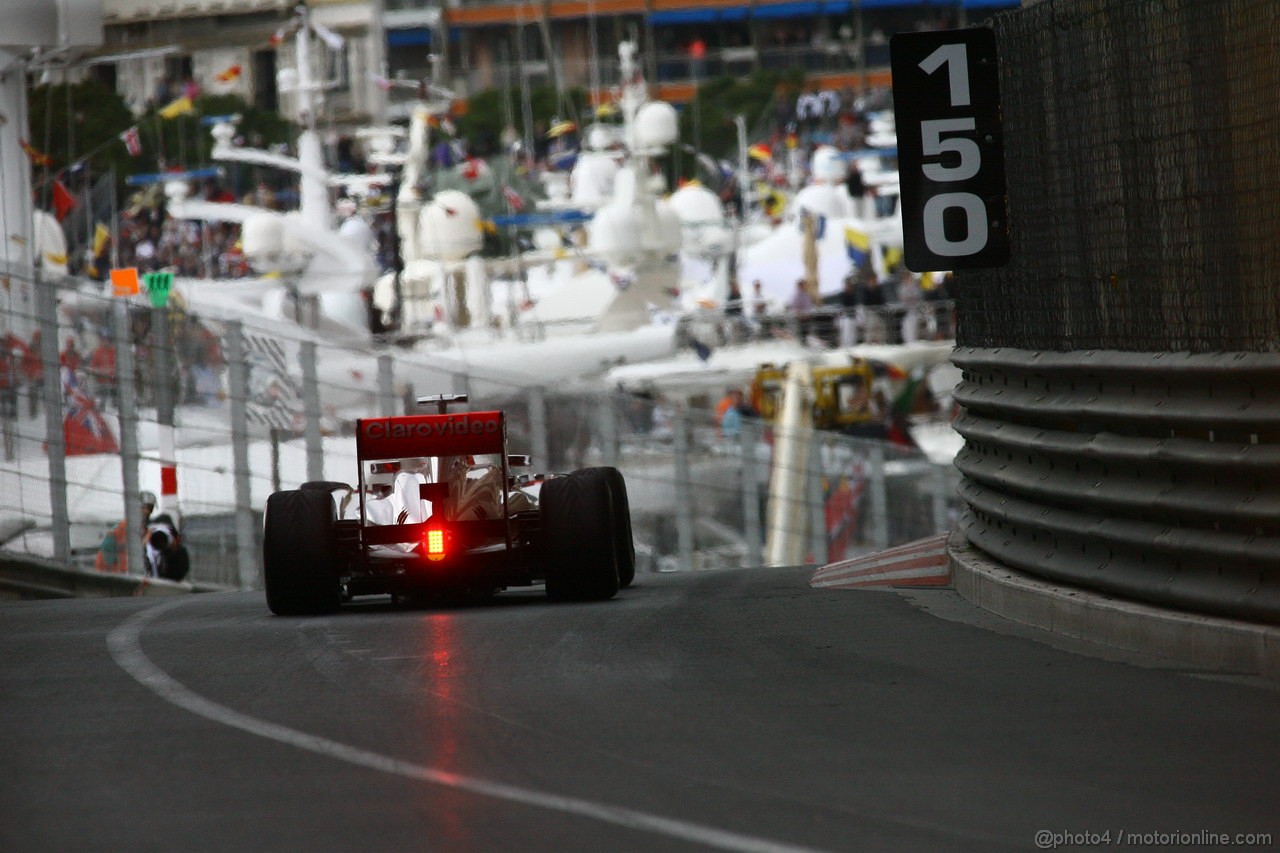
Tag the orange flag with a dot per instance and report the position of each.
(38, 158)
(124, 282)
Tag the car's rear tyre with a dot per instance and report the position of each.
(578, 530)
(623, 542)
(323, 486)
(300, 559)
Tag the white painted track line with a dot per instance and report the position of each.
(124, 643)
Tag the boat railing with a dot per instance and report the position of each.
(832, 325)
(573, 71)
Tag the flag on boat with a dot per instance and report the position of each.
(772, 202)
(472, 168)
(560, 128)
(97, 248)
(514, 201)
(132, 141)
(63, 201)
(858, 244)
(760, 151)
(37, 157)
(230, 75)
(101, 236)
(892, 257)
(180, 107)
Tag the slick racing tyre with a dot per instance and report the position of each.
(623, 542)
(323, 486)
(300, 560)
(577, 525)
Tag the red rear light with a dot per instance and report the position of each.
(434, 542)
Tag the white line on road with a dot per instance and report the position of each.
(124, 643)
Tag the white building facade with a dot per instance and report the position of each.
(153, 48)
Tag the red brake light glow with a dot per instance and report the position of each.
(435, 543)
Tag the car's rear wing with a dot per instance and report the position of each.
(461, 434)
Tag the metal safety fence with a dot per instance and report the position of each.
(214, 411)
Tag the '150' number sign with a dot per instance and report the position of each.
(946, 103)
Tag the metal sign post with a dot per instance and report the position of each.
(946, 96)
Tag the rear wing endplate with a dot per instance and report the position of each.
(462, 434)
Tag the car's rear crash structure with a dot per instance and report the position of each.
(436, 509)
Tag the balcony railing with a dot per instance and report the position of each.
(671, 67)
(574, 73)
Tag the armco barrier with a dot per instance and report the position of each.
(1147, 475)
(27, 576)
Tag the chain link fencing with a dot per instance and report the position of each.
(214, 414)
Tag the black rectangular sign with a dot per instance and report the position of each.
(946, 104)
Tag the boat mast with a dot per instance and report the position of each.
(17, 260)
(313, 192)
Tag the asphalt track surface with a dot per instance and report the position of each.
(735, 710)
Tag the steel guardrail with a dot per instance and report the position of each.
(31, 577)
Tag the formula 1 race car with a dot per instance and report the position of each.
(437, 510)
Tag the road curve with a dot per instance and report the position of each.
(736, 710)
